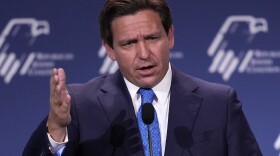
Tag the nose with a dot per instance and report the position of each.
(143, 50)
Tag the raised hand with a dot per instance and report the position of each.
(59, 116)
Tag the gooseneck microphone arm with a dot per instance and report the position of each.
(150, 141)
(148, 118)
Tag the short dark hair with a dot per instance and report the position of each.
(117, 8)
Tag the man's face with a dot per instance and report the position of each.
(141, 47)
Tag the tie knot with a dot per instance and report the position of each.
(147, 95)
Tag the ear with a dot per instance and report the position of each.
(171, 37)
(110, 51)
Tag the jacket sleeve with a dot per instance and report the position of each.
(240, 138)
(38, 144)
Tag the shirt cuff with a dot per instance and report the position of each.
(56, 146)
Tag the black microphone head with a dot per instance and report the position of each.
(148, 113)
(117, 135)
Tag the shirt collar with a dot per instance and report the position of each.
(161, 89)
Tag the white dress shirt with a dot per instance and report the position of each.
(161, 105)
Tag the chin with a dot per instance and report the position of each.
(148, 83)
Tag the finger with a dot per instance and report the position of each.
(61, 78)
(57, 85)
(53, 87)
(66, 104)
(53, 81)
(61, 87)
(66, 98)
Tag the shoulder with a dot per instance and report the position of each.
(213, 87)
(95, 87)
(86, 93)
(200, 86)
(91, 86)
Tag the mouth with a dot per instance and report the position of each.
(146, 70)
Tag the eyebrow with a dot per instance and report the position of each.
(155, 34)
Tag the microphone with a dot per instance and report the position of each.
(117, 137)
(148, 118)
(148, 113)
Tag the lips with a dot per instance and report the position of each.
(146, 70)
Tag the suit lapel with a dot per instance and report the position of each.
(183, 110)
(119, 109)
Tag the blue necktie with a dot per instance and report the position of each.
(147, 96)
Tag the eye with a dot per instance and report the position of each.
(128, 43)
(152, 38)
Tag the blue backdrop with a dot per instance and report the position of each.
(232, 42)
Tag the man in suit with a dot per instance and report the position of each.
(100, 117)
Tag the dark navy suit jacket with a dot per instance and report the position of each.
(205, 119)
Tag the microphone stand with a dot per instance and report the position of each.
(150, 141)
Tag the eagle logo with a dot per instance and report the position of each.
(227, 60)
(24, 31)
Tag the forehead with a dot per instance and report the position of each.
(142, 22)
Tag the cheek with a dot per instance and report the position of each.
(164, 54)
(125, 61)
(126, 67)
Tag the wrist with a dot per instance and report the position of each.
(56, 131)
